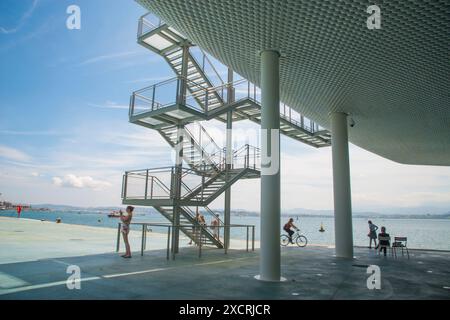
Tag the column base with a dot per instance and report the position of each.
(344, 258)
(258, 277)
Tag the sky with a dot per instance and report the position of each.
(65, 136)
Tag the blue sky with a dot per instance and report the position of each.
(65, 138)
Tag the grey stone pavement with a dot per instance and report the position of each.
(312, 273)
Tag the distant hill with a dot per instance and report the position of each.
(57, 207)
(410, 213)
(379, 212)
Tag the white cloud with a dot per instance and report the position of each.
(109, 105)
(80, 182)
(22, 20)
(107, 57)
(35, 33)
(115, 105)
(13, 154)
(29, 133)
(150, 79)
(57, 181)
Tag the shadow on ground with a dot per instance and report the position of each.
(312, 273)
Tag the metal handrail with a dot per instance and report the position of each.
(211, 213)
(193, 190)
(148, 93)
(148, 179)
(247, 151)
(206, 156)
(158, 169)
(220, 89)
(251, 89)
(143, 21)
(152, 26)
(170, 252)
(251, 93)
(202, 130)
(205, 57)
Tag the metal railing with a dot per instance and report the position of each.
(147, 23)
(170, 252)
(164, 94)
(159, 183)
(147, 184)
(206, 66)
(204, 141)
(247, 157)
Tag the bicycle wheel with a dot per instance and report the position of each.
(284, 240)
(301, 241)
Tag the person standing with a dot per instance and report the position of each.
(215, 227)
(372, 234)
(126, 220)
(19, 210)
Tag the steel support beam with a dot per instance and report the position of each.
(177, 188)
(181, 99)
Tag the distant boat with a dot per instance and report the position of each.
(114, 214)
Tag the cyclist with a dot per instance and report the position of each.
(288, 228)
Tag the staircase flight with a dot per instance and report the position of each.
(174, 108)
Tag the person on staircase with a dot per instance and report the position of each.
(195, 228)
(215, 227)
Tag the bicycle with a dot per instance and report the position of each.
(297, 238)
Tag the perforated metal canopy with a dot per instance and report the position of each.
(394, 82)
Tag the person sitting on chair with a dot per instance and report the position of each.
(383, 243)
(288, 228)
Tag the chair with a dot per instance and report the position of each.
(386, 240)
(400, 242)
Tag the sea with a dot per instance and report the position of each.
(421, 233)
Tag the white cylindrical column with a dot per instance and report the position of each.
(270, 162)
(341, 186)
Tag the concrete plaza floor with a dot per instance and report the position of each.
(29, 270)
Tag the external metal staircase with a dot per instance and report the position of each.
(198, 188)
(204, 99)
(200, 151)
(174, 108)
(188, 225)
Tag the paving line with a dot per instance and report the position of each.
(108, 276)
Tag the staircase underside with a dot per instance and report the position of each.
(247, 173)
(244, 109)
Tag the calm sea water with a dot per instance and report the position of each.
(421, 233)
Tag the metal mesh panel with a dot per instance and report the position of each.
(394, 81)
